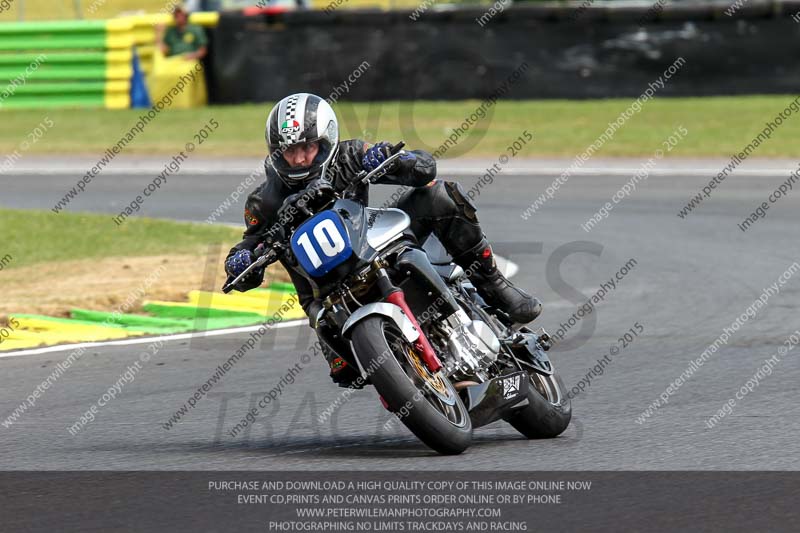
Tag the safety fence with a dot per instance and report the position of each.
(576, 51)
(579, 50)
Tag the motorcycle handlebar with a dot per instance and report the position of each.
(263, 260)
(380, 170)
(363, 177)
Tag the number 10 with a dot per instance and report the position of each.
(330, 240)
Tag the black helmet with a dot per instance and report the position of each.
(301, 118)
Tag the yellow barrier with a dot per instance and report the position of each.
(144, 32)
(119, 34)
(163, 72)
(165, 75)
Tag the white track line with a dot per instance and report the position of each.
(508, 267)
(147, 340)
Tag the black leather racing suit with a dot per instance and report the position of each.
(433, 206)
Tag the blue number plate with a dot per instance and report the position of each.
(321, 243)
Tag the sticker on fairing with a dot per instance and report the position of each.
(321, 244)
(511, 386)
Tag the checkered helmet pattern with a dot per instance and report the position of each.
(289, 133)
(301, 118)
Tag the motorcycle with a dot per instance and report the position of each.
(413, 325)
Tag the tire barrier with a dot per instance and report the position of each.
(80, 63)
(66, 64)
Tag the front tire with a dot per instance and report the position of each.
(548, 412)
(434, 413)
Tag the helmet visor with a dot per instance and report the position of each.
(283, 160)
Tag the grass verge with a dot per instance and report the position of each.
(51, 263)
(718, 126)
(33, 236)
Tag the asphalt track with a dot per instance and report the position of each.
(692, 278)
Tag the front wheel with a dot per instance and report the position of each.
(426, 403)
(548, 412)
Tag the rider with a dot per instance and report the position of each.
(303, 140)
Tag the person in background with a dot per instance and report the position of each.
(184, 39)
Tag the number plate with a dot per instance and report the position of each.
(321, 244)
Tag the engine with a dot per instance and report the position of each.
(472, 344)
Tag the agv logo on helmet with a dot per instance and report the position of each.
(288, 127)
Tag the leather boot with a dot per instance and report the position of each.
(494, 288)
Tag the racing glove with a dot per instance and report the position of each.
(238, 262)
(377, 154)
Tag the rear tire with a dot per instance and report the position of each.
(548, 412)
(444, 427)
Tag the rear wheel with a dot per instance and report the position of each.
(548, 412)
(426, 403)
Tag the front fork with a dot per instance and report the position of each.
(395, 295)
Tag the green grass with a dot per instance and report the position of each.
(31, 236)
(718, 126)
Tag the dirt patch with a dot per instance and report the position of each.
(111, 284)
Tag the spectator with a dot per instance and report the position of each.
(184, 39)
